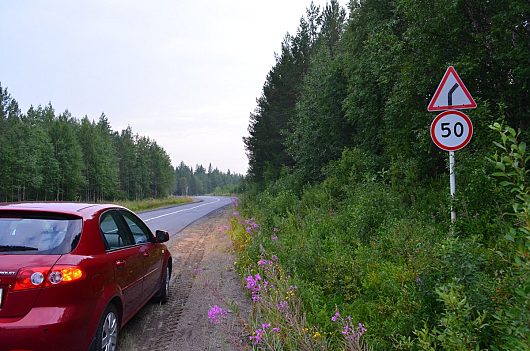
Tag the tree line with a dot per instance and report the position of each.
(202, 181)
(364, 80)
(49, 156)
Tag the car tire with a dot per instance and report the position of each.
(163, 292)
(108, 329)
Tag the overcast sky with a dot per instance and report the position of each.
(185, 73)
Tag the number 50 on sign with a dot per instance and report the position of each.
(451, 130)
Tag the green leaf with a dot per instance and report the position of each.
(499, 174)
(499, 145)
(500, 165)
(522, 147)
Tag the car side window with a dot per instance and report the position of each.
(140, 232)
(114, 236)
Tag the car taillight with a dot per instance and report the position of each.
(38, 277)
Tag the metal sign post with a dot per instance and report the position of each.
(452, 184)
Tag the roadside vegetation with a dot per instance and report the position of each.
(150, 204)
(344, 234)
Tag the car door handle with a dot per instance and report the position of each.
(120, 263)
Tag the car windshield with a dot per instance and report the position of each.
(22, 235)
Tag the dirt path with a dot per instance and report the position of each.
(203, 276)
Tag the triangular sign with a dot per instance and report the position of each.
(451, 94)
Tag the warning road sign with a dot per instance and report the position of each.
(451, 94)
(451, 130)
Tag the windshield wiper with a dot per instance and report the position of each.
(17, 248)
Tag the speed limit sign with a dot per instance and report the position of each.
(451, 130)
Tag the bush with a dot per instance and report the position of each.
(379, 247)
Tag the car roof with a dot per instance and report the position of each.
(74, 208)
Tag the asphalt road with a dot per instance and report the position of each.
(174, 219)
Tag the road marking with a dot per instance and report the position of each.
(186, 209)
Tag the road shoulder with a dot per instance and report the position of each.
(203, 276)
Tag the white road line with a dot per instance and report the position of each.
(186, 209)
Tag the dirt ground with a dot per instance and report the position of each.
(203, 276)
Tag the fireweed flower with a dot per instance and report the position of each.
(258, 335)
(361, 330)
(335, 316)
(282, 305)
(254, 286)
(274, 238)
(216, 314)
(276, 330)
(265, 325)
(352, 333)
(252, 281)
(235, 213)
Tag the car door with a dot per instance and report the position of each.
(126, 258)
(151, 252)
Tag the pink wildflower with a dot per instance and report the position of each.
(216, 314)
(257, 337)
(335, 316)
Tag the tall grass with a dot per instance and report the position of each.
(149, 204)
(278, 320)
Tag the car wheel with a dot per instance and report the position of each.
(108, 329)
(163, 292)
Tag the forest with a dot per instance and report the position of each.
(202, 181)
(47, 156)
(347, 242)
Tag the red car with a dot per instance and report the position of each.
(71, 274)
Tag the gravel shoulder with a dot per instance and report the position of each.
(203, 276)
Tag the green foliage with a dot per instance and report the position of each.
(199, 182)
(511, 162)
(459, 329)
(50, 157)
(319, 128)
(358, 243)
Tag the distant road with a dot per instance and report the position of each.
(174, 219)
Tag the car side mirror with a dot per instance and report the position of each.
(162, 236)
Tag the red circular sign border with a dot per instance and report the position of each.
(452, 148)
